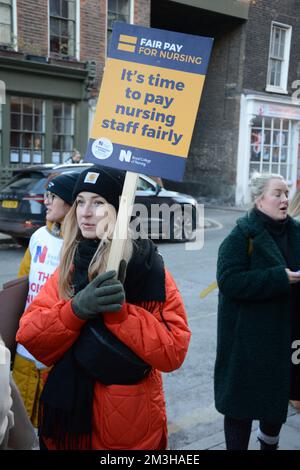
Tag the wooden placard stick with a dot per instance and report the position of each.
(123, 219)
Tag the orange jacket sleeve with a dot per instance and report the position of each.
(160, 338)
(49, 327)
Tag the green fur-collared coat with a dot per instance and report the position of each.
(254, 354)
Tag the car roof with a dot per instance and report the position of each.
(47, 168)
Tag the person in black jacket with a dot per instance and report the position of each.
(258, 317)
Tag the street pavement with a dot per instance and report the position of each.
(194, 423)
(289, 436)
(199, 426)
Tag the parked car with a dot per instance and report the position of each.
(162, 214)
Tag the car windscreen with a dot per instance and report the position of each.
(27, 182)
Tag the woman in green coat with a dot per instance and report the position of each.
(258, 317)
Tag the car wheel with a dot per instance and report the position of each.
(21, 241)
(181, 229)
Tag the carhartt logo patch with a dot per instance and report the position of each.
(91, 177)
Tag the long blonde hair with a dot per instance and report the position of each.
(294, 206)
(72, 236)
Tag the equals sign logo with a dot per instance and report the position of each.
(127, 43)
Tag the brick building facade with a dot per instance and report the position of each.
(268, 134)
(248, 119)
(52, 54)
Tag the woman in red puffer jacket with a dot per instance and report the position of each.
(80, 407)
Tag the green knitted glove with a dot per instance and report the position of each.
(102, 294)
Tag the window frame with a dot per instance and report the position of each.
(33, 151)
(13, 44)
(61, 151)
(282, 88)
(131, 21)
(76, 32)
(273, 145)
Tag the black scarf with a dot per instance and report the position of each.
(278, 229)
(66, 404)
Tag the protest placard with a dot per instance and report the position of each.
(146, 111)
(149, 100)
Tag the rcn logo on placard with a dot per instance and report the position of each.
(127, 43)
(40, 254)
(125, 156)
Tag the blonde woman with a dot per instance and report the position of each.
(90, 401)
(258, 317)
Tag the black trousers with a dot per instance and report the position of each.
(237, 432)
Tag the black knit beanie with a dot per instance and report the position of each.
(106, 182)
(63, 186)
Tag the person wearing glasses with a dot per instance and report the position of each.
(39, 262)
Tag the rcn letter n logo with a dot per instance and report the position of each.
(125, 156)
(40, 254)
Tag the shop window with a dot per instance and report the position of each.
(62, 27)
(271, 148)
(27, 135)
(279, 55)
(117, 10)
(63, 131)
(6, 21)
